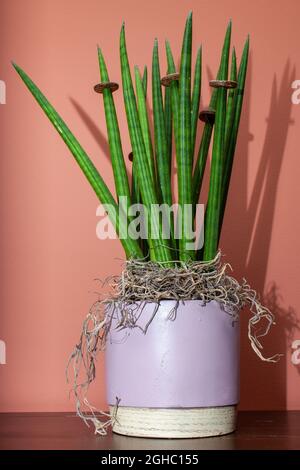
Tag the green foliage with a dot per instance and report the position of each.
(184, 153)
(214, 204)
(231, 137)
(175, 115)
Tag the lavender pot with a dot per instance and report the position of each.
(178, 377)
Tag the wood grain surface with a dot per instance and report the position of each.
(256, 430)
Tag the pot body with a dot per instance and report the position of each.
(180, 376)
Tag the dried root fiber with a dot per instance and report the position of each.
(142, 281)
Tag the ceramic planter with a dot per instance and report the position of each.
(181, 378)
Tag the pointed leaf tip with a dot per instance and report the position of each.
(16, 66)
(229, 26)
(189, 20)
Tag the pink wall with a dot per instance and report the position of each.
(49, 250)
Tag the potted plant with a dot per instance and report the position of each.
(171, 328)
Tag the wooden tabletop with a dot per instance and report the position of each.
(267, 430)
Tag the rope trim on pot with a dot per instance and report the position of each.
(150, 282)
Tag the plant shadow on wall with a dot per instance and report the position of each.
(263, 385)
(101, 138)
(92, 127)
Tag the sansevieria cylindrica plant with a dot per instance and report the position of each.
(173, 129)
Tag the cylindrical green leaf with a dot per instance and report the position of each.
(145, 80)
(174, 92)
(239, 95)
(158, 249)
(196, 99)
(160, 135)
(203, 150)
(144, 122)
(131, 247)
(201, 162)
(183, 153)
(213, 209)
(231, 101)
(114, 139)
(169, 126)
